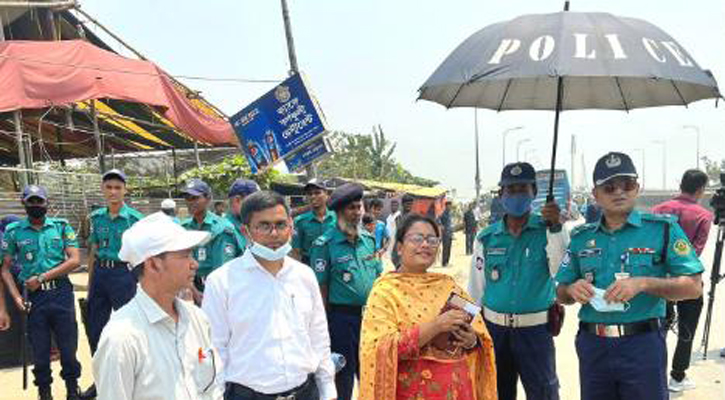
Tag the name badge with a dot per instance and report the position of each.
(621, 275)
(496, 251)
(589, 253)
(202, 254)
(343, 259)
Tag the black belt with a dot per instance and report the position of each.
(347, 309)
(111, 264)
(52, 284)
(243, 391)
(620, 330)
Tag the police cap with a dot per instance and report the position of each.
(315, 184)
(114, 174)
(243, 187)
(613, 165)
(197, 187)
(517, 173)
(31, 191)
(344, 195)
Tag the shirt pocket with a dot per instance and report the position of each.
(590, 267)
(643, 265)
(495, 266)
(206, 369)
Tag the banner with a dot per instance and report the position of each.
(310, 153)
(279, 123)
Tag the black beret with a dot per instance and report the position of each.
(344, 195)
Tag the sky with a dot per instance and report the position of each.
(366, 59)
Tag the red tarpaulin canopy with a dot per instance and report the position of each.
(42, 74)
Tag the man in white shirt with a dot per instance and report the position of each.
(267, 316)
(158, 346)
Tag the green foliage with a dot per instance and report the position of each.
(713, 169)
(366, 157)
(221, 175)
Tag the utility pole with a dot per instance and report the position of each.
(478, 171)
(573, 158)
(697, 132)
(664, 162)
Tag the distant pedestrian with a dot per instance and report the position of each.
(470, 227)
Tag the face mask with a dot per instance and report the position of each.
(517, 205)
(266, 253)
(602, 305)
(36, 212)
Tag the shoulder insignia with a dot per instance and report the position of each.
(582, 228)
(681, 247)
(659, 217)
(98, 212)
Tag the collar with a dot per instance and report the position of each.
(123, 212)
(634, 219)
(152, 310)
(25, 223)
(533, 222)
(687, 198)
(208, 219)
(249, 262)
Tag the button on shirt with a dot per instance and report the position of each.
(106, 232)
(38, 250)
(271, 331)
(596, 254)
(308, 228)
(144, 354)
(514, 275)
(224, 245)
(347, 269)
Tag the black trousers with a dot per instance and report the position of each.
(688, 316)
(470, 237)
(447, 244)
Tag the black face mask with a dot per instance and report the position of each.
(36, 212)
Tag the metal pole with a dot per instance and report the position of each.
(664, 162)
(518, 148)
(478, 172)
(697, 132)
(505, 136)
(573, 159)
(644, 166)
(97, 134)
(196, 154)
(290, 40)
(18, 119)
(2, 30)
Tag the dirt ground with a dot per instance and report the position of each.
(708, 375)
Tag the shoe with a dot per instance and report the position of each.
(74, 395)
(89, 394)
(680, 386)
(44, 393)
(722, 352)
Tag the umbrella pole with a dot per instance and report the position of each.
(559, 95)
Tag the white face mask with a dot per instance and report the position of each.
(266, 253)
(602, 305)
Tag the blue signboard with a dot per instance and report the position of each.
(305, 156)
(279, 123)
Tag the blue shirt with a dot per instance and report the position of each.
(637, 248)
(518, 280)
(381, 233)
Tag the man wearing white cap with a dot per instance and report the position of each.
(157, 346)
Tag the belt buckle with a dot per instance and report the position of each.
(510, 320)
(608, 330)
(290, 397)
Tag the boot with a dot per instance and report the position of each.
(89, 394)
(44, 393)
(72, 392)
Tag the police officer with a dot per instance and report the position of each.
(310, 225)
(512, 276)
(621, 269)
(112, 284)
(47, 250)
(225, 243)
(240, 189)
(346, 266)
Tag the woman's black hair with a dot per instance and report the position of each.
(410, 220)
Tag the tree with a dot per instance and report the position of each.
(221, 175)
(713, 169)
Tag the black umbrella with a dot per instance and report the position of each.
(569, 61)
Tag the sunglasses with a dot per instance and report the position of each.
(625, 184)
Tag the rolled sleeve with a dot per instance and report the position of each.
(477, 276)
(569, 271)
(681, 257)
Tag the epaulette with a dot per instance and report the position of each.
(98, 211)
(136, 213)
(666, 218)
(582, 228)
(321, 240)
(12, 226)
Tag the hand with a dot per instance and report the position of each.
(623, 290)
(4, 321)
(450, 320)
(19, 304)
(581, 291)
(465, 337)
(32, 283)
(551, 213)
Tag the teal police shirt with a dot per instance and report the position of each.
(348, 270)
(308, 228)
(106, 232)
(225, 243)
(38, 251)
(236, 221)
(518, 280)
(637, 249)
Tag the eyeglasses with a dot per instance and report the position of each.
(418, 239)
(267, 227)
(626, 185)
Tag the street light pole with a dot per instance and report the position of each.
(664, 162)
(518, 147)
(644, 165)
(697, 131)
(478, 172)
(505, 135)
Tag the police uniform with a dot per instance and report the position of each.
(113, 283)
(52, 309)
(513, 279)
(225, 243)
(307, 229)
(622, 351)
(348, 270)
(240, 187)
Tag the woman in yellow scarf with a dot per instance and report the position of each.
(409, 348)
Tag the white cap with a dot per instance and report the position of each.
(154, 235)
(168, 204)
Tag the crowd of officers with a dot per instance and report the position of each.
(621, 269)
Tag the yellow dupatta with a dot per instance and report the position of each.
(397, 303)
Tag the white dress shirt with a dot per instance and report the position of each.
(144, 354)
(271, 331)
